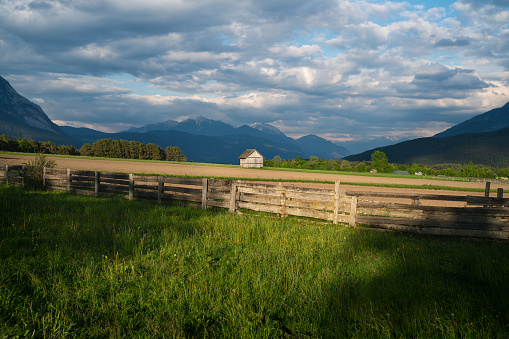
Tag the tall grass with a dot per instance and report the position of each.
(100, 267)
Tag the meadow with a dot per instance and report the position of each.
(106, 267)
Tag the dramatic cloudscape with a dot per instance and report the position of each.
(344, 70)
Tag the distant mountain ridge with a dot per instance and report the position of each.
(490, 121)
(489, 149)
(483, 139)
(199, 148)
(201, 139)
(21, 118)
(265, 134)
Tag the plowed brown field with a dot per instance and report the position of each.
(213, 171)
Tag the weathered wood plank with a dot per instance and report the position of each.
(470, 210)
(53, 182)
(218, 196)
(353, 212)
(79, 173)
(287, 188)
(186, 190)
(144, 178)
(204, 191)
(490, 201)
(55, 177)
(233, 197)
(258, 191)
(259, 199)
(144, 187)
(319, 206)
(120, 176)
(221, 204)
(114, 188)
(152, 194)
(310, 196)
(82, 178)
(15, 168)
(222, 190)
(298, 212)
(258, 207)
(183, 181)
(194, 198)
(56, 171)
(432, 223)
(407, 196)
(82, 184)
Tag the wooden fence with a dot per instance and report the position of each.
(480, 216)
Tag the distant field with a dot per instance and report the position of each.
(76, 266)
(230, 171)
(314, 179)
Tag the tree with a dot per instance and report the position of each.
(155, 152)
(361, 167)
(7, 144)
(86, 150)
(503, 172)
(379, 161)
(25, 146)
(174, 153)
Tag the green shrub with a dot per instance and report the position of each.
(33, 172)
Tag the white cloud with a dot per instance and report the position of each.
(333, 67)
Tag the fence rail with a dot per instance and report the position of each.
(486, 217)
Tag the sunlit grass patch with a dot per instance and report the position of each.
(99, 267)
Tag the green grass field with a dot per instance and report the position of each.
(101, 267)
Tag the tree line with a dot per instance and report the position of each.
(381, 164)
(101, 148)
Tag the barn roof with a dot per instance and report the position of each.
(247, 153)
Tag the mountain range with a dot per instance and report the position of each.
(207, 140)
(21, 118)
(200, 139)
(483, 139)
(490, 121)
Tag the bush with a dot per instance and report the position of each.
(33, 172)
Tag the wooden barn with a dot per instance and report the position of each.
(251, 158)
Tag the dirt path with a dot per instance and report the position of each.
(212, 171)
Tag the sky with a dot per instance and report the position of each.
(343, 70)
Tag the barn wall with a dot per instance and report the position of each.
(256, 162)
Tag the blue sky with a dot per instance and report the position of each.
(343, 70)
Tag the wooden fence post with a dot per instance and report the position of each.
(336, 202)
(22, 177)
(68, 180)
(97, 179)
(160, 187)
(44, 176)
(282, 201)
(204, 191)
(487, 189)
(353, 211)
(7, 175)
(415, 201)
(233, 197)
(500, 193)
(131, 186)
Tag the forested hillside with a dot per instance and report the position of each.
(489, 149)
